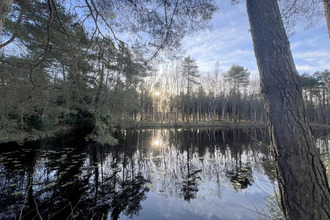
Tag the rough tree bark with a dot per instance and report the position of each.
(302, 180)
(326, 5)
(5, 6)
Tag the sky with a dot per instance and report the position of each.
(229, 42)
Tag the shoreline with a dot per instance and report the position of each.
(22, 137)
(148, 125)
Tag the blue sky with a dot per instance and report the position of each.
(229, 41)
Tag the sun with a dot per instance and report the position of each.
(156, 142)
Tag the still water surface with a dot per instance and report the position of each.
(150, 174)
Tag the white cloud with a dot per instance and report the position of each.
(230, 42)
(304, 68)
(312, 60)
(312, 56)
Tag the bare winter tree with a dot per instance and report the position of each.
(308, 12)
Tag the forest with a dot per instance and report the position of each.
(82, 79)
(110, 65)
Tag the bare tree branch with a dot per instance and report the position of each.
(47, 47)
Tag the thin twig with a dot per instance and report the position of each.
(47, 48)
(35, 202)
(25, 200)
(73, 54)
(58, 211)
(106, 23)
(71, 214)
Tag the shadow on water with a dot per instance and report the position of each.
(163, 174)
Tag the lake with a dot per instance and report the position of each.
(150, 174)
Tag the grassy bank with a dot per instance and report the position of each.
(20, 136)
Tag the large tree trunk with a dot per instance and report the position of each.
(326, 4)
(5, 6)
(302, 180)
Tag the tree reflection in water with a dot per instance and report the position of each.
(63, 182)
(129, 199)
(241, 178)
(70, 178)
(190, 185)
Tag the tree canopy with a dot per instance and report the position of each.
(82, 64)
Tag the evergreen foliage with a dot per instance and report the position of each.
(57, 71)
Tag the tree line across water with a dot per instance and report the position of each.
(102, 86)
(67, 71)
(65, 74)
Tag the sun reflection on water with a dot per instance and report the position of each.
(156, 142)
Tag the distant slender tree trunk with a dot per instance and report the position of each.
(327, 84)
(326, 4)
(5, 6)
(235, 113)
(302, 180)
(223, 106)
(324, 107)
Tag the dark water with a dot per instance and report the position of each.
(151, 174)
